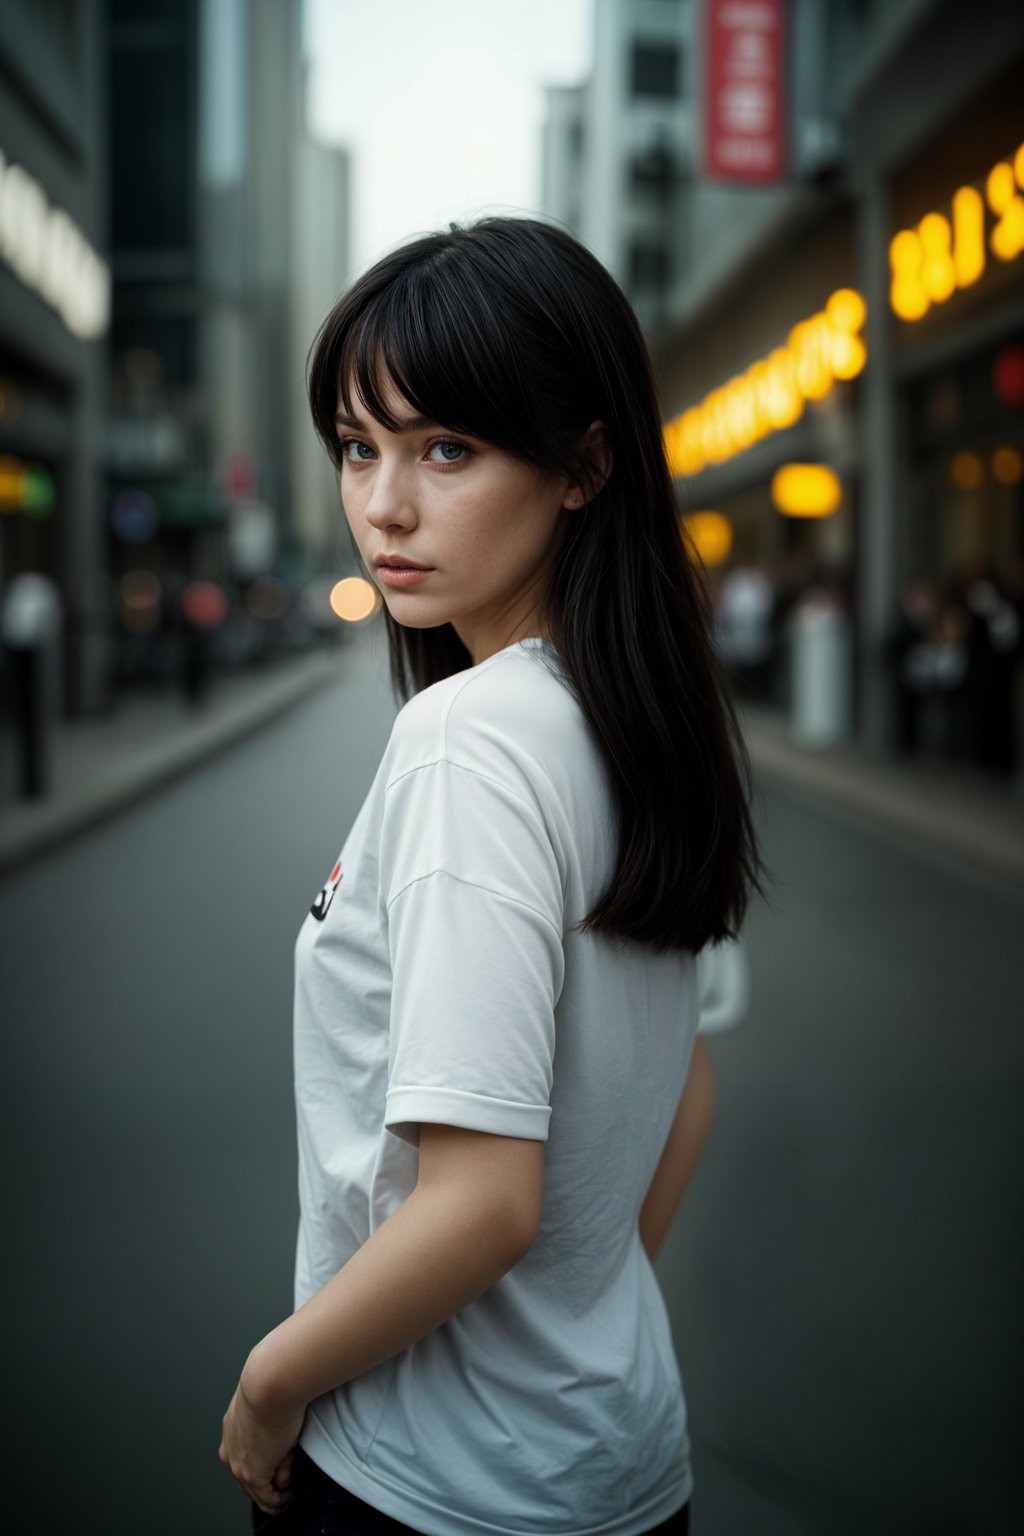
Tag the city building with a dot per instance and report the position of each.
(937, 139)
(621, 151)
(171, 237)
(860, 313)
(229, 241)
(54, 320)
(617, 148)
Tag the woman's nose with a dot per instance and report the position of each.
(391, 501)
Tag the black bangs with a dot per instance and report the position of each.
(417, 343)
(450, 342)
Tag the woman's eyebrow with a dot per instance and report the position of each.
(411, 423)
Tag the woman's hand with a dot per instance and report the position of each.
(258, 1450)
(473, 1214)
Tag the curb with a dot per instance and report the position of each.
(971, 825)
(38, 827)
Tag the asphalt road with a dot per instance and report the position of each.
(846, 1276)
(844, 1281)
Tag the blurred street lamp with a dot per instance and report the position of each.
(711, 536)
(806, 490)
(1008, 466)
(354, 599)
(966, 471)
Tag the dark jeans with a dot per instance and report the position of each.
(319, 1507)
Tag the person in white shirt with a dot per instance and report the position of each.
(500, 1093)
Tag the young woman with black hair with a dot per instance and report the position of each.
(500, 1098)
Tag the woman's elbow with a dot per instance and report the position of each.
(519, 1233)
(519, 1222)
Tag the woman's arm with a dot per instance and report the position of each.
(473, 1215)
(682, 1152)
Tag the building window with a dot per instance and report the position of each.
(152, 107)
(648, 266)
(656, 70)
(655, 170)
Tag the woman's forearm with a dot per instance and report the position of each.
(437, 1252)
(682, 1152)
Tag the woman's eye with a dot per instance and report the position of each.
(350, 449)
(450, 452)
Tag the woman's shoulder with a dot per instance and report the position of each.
(515, 707)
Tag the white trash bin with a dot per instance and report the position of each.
(822, 676)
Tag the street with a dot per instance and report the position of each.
(845, 1277)
(844, 1280)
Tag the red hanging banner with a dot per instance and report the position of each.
(743, 89)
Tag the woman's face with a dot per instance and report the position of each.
(485, 526)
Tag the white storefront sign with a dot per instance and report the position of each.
(47, 250)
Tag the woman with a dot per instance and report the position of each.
(499, 1100)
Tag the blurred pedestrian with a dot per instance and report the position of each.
(994, 649)
(743, 626)
(558, 827)
(913, 627)
(791, 573)
(936, 668)
(203, 610)
(951, 706)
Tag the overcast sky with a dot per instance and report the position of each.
(441, 103)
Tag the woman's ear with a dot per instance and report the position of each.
(598, 449)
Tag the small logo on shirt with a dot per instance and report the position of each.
(322, 905)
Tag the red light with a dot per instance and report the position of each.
(204, 604)
(241, 474)
(1008, 377)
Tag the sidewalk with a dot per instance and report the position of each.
(104, 765)
(959, 813)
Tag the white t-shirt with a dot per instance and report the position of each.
(438, 979)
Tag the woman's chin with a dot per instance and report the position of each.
(412, 615)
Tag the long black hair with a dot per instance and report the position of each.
(509, 330)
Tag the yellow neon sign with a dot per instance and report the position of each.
(770, 395)
(939, 255)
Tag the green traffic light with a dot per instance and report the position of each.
(37, 492)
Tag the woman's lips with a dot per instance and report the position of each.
(402, 576)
